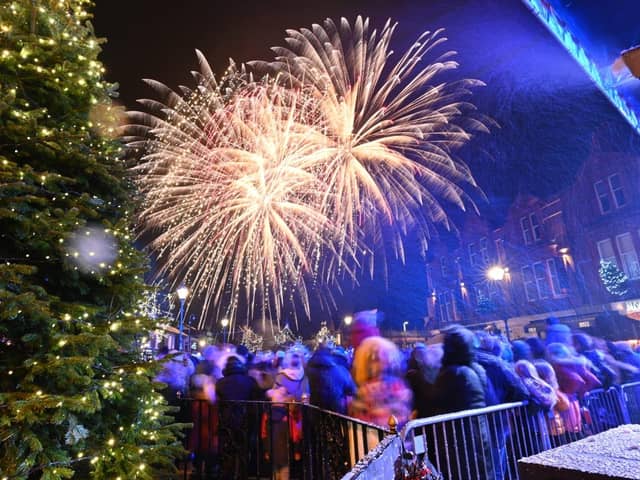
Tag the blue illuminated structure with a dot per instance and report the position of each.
(573, 33)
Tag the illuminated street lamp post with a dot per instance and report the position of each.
(498, 273)
(182, 295)
(347, 321)
(225, 323)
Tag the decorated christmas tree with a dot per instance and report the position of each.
(613, 279)
(74, 394)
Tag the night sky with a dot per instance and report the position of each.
(546, 109)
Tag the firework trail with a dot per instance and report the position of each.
(259, 194)
(231, 199)
(391, 127)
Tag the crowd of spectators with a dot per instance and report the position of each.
(375, 379)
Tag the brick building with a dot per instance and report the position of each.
(544, 257)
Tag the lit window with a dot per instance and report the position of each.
(604, 198)
(628, 255)
(617, 191)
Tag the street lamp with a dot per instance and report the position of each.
(182, 295)
(225, 323)
(347, 320)
(497, 274)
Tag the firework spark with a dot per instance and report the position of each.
(258, 194)
(391, 127)
(230, 193)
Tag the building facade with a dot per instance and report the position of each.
(544, 258)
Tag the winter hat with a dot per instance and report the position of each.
(234, 364)
(521, 350)
(364, 325)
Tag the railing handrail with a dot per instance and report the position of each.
(628, 385)
(423, 422)
(386, 430)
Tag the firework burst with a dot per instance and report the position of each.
(260, 194)
(391, 128)
(230, 193)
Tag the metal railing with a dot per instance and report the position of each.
(263, 440)
(486, 443)
(630, 395)
(478, 444)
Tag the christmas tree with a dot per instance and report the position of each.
(74, 394)
(614, 280)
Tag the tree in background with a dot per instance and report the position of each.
(613, 279)
(74, 394)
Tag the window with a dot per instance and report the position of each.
(617, 191)
(553, 275)
(529, 283)
(484, 250)
(473, 254)
(542, 282)
(444, 266)
(604, 200)
(500, 251)
(526, 230)
(628, 255)
(535, 227)
(531, 230)
(610, 194)
(606, 252)
(446, 307)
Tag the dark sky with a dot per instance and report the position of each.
(546, 108)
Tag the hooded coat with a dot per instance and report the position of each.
(330, 383)
(381, 391)
(462, 385)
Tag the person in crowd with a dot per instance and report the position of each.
(341, 356)
(381, 388)
(557, 332)
(176, 373)
(538, 348)
(208, 364)
(541, 393)
(330, 383)
(364, 325)
(573, 372)
(503, 386)
(291, 385)
(203, 437)
(623, 353)
(261, 369)
(236, 384)
(565, 421)
(599, 365)
(236, 419)
(423, 366)
(522, 351)
(462, 384)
